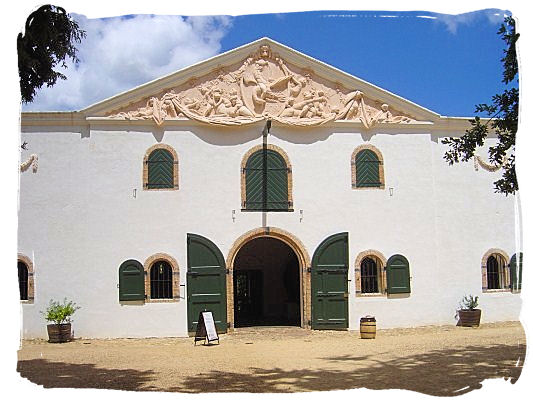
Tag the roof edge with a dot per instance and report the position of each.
(161, 81)
(298, 58)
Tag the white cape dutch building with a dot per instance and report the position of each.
(267, 187)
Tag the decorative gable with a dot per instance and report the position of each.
(263, 86)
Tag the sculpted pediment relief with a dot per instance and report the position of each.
(263, 86)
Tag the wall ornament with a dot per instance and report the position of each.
(30, 161)
(263, 86)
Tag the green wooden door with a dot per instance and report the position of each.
(329, 284)
(206, 282)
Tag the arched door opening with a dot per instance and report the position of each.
(266, 281)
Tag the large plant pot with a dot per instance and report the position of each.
(59, 333)
(469, 317)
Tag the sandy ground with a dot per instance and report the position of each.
(443, 361)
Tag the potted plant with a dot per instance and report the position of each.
(467, 313)
(59, 313)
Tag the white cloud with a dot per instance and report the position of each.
(123, 52)
(453, 21)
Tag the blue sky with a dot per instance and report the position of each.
(442, 62)
(447, 64)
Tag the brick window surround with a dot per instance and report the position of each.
(150, 261)
(354, 169)
(175, 169)
(381, 262)
(31, 284)
(505, 274)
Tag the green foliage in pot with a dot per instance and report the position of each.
(60, 313)
(469, 303)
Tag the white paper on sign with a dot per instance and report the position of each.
(210, 326)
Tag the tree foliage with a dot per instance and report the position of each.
(502, 120)
(49, 38)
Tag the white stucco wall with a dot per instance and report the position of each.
(79, 219)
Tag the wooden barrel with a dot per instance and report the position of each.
(368, 328)
(58, 333)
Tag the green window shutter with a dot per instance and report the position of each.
(516, 272)
(131, 281)
(398, 275)
(160, 169)
(254, 181)
(367, 169)
(277, 182)
(277, 188)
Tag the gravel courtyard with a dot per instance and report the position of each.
(442, 361)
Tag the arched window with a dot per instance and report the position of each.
(495, 271)
(161, 280)
(367, 168)
(23, 280)
(370, 275)
(266, 180)
(160, 169)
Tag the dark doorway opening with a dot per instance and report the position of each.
(266, 282)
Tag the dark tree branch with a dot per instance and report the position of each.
(49, 38)
(503, 121)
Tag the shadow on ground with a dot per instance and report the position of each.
(64, 375)
(439, 373)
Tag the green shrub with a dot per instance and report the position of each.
(60, 313)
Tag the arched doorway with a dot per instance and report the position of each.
(304, 263)
(266, 282)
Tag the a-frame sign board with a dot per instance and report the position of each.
(206, 329)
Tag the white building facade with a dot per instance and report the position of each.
(155, 204)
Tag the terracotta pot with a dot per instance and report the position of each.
(59, 333)
(469, 317)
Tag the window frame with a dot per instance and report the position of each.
(175, 170)
(381, 262)
(288, 165)
(381, 170)
(151, 261)
(31, 284)
(503, 271)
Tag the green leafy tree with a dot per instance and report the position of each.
(502, 120)
(49, 38)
